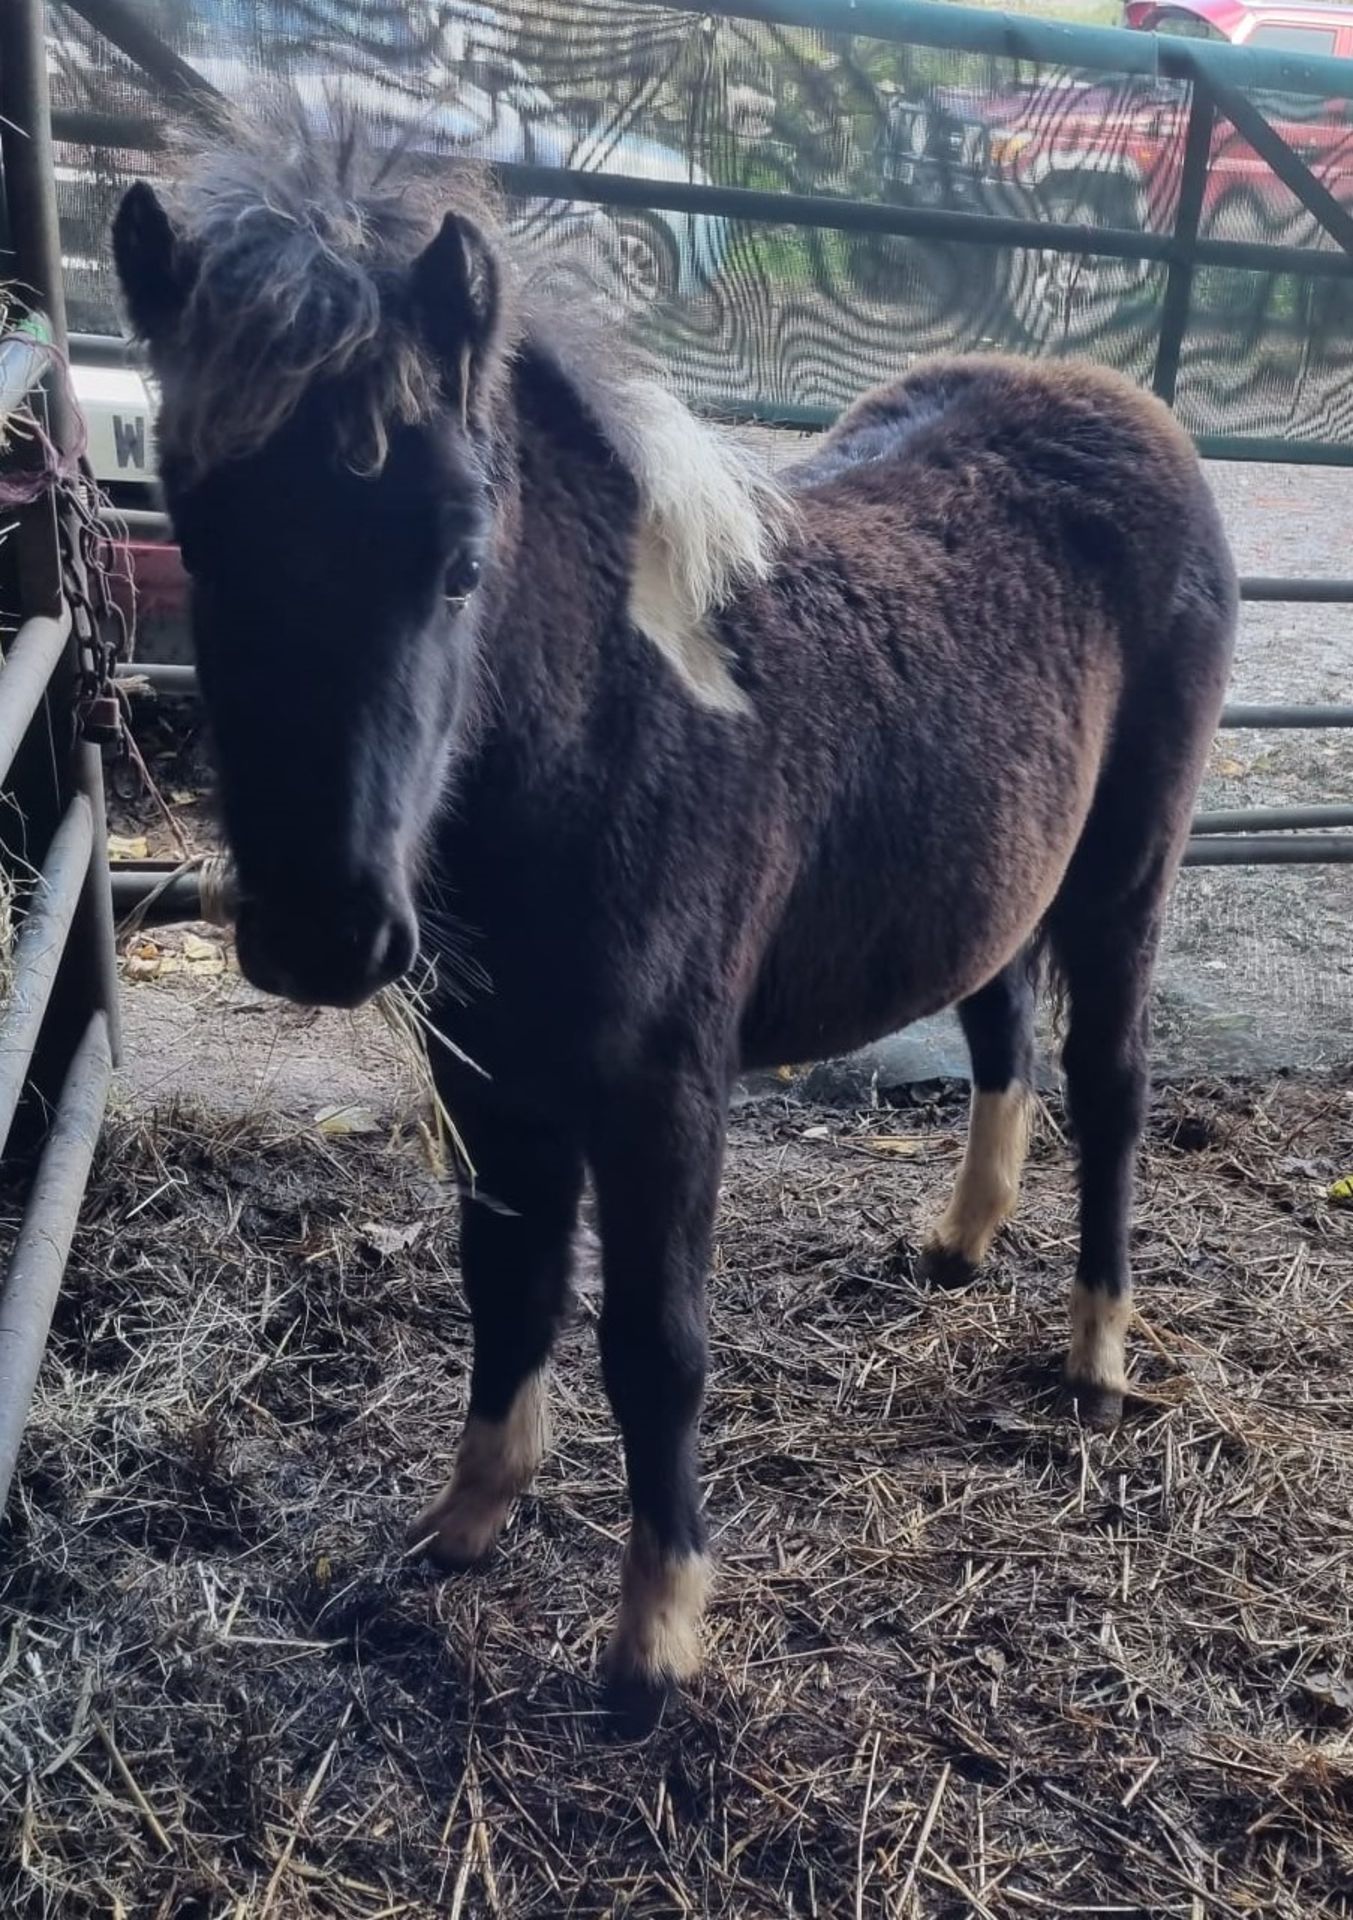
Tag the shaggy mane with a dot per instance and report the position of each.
(301, 228)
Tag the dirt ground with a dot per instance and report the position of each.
(965, 1659)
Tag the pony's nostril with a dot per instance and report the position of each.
(394, 949)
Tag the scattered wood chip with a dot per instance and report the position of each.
(387, 1241)
(347, 1119)
(904, 1146)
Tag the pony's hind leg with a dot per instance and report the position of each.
(516, 1245)
(1107, 963)
(998, 1024)
(1104, 930)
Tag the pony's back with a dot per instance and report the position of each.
(986, 445)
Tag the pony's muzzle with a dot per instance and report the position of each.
(334, 951)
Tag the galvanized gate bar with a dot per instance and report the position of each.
(1271, 850)
(1263, 586)
(28, 667)
(962, 29)
(1271, 450)
(1280, 716)
(133, 520)
(126, 29)
(39, 951)
(838, 212)
(1295, 175)
(1257, 819)
(923, 23)
(33, 1277)
(29, 180)
(35, 233)
(66, 929)
(1174, 314)
(803, 417)
(165, 678)
(163, 898)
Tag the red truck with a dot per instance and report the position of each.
(1323, 30)
(1108, 151)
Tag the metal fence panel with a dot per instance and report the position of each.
(58, 1012)
(799, 209)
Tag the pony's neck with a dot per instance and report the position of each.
(567, 512)
(634, 518)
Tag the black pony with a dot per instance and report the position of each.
(711, 772)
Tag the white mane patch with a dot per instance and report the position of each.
(711, 520)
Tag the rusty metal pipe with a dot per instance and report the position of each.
(166, 896)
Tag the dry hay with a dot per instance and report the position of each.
(966, 1660)
(9, 900)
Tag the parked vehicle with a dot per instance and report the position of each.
(1108, 152)
(1312, 29)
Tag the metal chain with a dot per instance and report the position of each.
(102, 631)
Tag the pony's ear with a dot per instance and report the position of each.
(454, 292)
(155, 268)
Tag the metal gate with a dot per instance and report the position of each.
(58, 1013)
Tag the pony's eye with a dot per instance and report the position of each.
(462, 576)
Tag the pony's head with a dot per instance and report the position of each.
(326, 345)
(334, 333)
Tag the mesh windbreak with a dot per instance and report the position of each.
(772, 315)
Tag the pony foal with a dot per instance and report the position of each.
(673, 770)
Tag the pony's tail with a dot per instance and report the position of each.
(1048, 979)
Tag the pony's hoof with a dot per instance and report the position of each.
(1096, 1406)
(946, 1267)
(457, 1533)
(636, 1702)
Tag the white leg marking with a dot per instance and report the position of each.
(662, 1603)
(987, 1188)
(495, 1463)
(1099, 1324)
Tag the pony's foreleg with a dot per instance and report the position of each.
(516, 1243)
(656, 1163)
(998, 1024)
